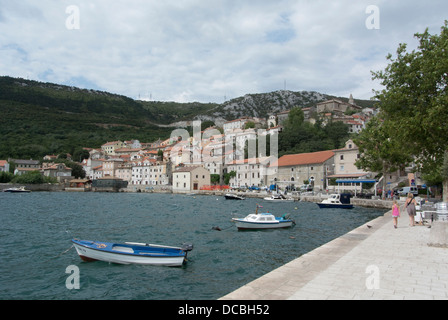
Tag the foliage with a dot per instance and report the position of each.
(228, 176)
(33, 177)
(379, 152)
(414, 102)
(6, 177)
(299, 136)
(39, 119)
(214, 178)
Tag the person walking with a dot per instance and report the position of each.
(410, 208)
(395, 213)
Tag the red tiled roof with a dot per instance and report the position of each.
(303, 159)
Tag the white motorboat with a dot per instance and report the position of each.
(335, 201)
(278, 198)
(263, 221)
(17, 190)
(231, 196)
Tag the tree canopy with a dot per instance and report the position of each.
(414, 105)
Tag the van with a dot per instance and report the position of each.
(404, 191)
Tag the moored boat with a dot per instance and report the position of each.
(17, 190)
(336, 201)
(263, 221)
(131, 253)
(231, 196)
(278, 198)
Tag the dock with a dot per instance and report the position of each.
(372, 262)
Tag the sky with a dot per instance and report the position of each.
(210, 51)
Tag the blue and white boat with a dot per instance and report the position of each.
(263, 221)
(131, 253)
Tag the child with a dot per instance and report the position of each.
(395, 213)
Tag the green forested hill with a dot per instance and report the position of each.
(42, 118)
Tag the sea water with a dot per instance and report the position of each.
(37, 257)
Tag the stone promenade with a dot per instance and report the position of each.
(372, 262)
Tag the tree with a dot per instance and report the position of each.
(379, 152)
(414, 101)
(295, 118)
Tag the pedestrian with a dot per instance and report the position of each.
(410, 208)
(395, 213)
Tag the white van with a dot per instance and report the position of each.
(404, 191)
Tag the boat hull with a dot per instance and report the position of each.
(129, 254)
(242, 224)
(234, 197)
(334, 205)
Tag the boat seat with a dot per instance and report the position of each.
(123, 249)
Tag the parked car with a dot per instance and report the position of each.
(405, 190)
(306, 187)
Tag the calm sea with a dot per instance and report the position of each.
(36, 230)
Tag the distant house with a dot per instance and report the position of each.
(110, 166)
(50, 157)
(24, 166)
(110, 147)
(57, 171)
(235, 124)
(4, 166)
(187, 179)
(337, 106)
(28, 164)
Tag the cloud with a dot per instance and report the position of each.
(197, 50)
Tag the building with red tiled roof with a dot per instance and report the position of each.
(4, 166)
(297, 169)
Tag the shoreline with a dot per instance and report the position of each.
(368, 203)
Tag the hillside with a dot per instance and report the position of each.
(45, 118)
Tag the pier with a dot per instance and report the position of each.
(372, 262)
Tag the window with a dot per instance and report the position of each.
(342, 157)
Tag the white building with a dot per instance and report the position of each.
(188, 179)
(249, 172)
(149, 172)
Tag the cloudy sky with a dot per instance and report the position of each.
(209, 51)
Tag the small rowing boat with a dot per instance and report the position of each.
(131, 253)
